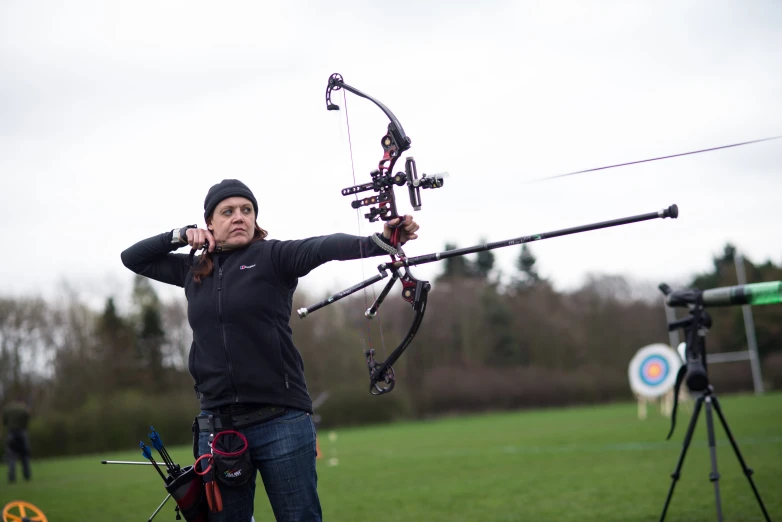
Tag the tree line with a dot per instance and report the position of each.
(96, 380)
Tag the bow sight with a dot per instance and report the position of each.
(394, 143)
(382, 183)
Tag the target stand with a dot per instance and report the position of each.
(652, 374)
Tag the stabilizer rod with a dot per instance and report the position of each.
(670, 212)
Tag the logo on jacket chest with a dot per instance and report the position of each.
(246, 267)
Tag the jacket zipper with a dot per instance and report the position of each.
(222, 331)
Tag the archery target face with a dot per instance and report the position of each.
(653, 370)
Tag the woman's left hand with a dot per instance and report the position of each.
(408, 229)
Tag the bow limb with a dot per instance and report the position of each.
(394, 143)
(416, 292)
(394, 127)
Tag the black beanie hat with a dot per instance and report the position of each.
(226, 189)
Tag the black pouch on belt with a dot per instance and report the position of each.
(231, 462)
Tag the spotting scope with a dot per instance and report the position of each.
(749, 294)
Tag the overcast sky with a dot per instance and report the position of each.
(117, 117)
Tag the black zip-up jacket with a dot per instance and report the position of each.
(242, 350)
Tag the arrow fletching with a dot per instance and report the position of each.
(145, 450)
(156, 442)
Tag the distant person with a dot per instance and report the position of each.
(16, 417)
(248, 373)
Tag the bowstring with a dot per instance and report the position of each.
(361, 248)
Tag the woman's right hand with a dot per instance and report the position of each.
(198, 237)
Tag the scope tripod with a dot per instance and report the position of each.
(695, 325)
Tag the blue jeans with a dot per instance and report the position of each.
(283, 450)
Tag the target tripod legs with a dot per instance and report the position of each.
(714, 476)
(711, 401)
(687, 439)
(747, 470)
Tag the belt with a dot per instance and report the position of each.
(227, 421)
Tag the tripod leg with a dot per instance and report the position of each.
(747, 471)
(159, 507)
(687, 439)
(714, 476)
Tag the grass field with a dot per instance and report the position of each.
(577, 464)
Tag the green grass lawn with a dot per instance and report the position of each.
(578, 464)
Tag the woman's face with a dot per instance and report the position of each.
(233, 222)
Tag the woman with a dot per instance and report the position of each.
(248, 374)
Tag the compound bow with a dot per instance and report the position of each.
(383, 207)
(415, 291)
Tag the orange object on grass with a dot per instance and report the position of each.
(17, 510)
